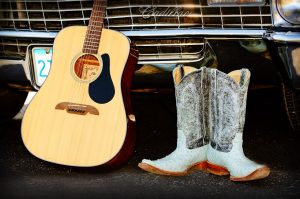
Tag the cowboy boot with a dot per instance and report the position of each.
(192, 140)
(228, 95)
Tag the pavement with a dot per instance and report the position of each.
(267, 139)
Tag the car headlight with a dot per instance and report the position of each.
(289, 10)
(235, 2)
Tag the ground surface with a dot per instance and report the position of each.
(267, 139)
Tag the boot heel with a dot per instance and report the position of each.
(216, 169)
(200, 166)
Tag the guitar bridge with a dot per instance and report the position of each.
(79, 109)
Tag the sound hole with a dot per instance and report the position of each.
(87, 67)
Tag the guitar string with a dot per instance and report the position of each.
(88, 47)
(89, 42)
(95, 19)
(76, 67)
(88, 51)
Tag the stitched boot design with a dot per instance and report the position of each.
(228, 106)
(192, 104)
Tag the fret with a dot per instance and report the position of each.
(91, 52)
(99, 16)
(97, 26)
(92, 37)
(93, 34)
(94, 51)
(90, 49)
(93, 42)
(96, 20)
(94, 30)
(90, 45)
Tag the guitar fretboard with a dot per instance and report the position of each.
(94, 30)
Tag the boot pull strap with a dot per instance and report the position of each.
(213, 79)
(204, 70)
(181, 69)
(243, 76)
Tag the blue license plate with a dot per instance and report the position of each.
(42, 57)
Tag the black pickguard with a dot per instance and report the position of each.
(102, 90)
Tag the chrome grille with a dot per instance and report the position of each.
(51, 16)
(16, 47)
(43, 15)
(170, 50)
(151, 50)
(131, 14)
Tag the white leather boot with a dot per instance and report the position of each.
(228, 93)
(192, 141)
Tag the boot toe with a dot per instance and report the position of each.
(152, 169)
(259, 173)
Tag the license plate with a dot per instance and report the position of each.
(42, 57)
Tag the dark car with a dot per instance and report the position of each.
(261, 35)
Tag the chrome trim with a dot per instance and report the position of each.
(178, 61)
(136, 16)
(160, 56)
(148, 33)
(127, 16)
(171, 25)
(27, 34)
(119, 7)
(233, 3)
(284, 37)
(18, 14)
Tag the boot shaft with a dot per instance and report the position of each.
(228, 96)
(191, 90)
(210, 104)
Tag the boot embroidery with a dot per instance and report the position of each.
(190, 109)
(228, 107)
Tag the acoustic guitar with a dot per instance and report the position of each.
(82, 114)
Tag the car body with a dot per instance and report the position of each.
(261, 35)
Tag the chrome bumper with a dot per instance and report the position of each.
(283, 37)
(213, 33)
(149, 33)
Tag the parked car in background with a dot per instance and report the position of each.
(259, 34)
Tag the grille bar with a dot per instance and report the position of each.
(152, 49)
(131, 15)
(159, 15)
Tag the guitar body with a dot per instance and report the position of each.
(78, 122)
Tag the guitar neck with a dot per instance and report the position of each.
(94, 30)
